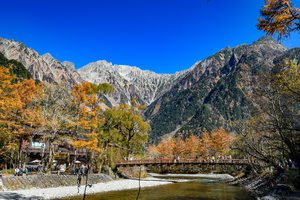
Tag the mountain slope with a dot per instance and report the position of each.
(16, 68)
(211, 94)
(43, 68)
(214, 93)
(129, 82)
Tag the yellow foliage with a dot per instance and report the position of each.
(216, 143)
(279, 16)
(18, 113)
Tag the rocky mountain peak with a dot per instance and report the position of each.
(47, 56)
(265, 39)
(129, 81)
(42, 67)
(269, 42)
(69, 65)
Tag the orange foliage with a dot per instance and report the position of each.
(192, 146)
(220, 142)
(279, 16)
(204, 145)
(215, 144)
(87, 103)
(19, 115)
(165, 148)
(91, 144)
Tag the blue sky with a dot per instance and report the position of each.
(164, 36)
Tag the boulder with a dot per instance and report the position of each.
(281, 190)
(296, 182)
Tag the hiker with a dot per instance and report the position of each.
(20, 172)
(79, 179)
(26, 171)
(83, 169)
(16, 171)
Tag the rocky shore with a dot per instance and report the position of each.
(263, 187)
(69, 191)
(267, 187)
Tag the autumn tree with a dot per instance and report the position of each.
(204, 144)
(288, 83)
(273, 135)
(88, 119)
(220, 142)
(192, 146)
(20, 114)
(164, 149)
(128, 127)
(57, 112)
(9, 101)
(256, 142)
(178, 147)
(288, 79)
(217, 143)
(279, 16)
(153, 151)
(278, 103)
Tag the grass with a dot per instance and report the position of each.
(6, 172)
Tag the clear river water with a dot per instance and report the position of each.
(200, 189)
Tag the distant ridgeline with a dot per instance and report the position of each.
(16, 68)
(214, 93)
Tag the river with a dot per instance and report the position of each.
(200, 189)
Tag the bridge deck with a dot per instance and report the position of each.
(185, 161)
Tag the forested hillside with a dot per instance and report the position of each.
(217, 92)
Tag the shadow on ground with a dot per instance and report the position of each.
(12, 195)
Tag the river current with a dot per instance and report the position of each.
(200, 189)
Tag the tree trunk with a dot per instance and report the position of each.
(20, 152)
(127, 151)
(100, 166)
(51, 151)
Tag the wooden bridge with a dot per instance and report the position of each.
(237, 162)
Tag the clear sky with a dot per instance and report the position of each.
(164, 36)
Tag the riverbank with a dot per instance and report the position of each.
(267, 187)
(113, 185)
(68, 191)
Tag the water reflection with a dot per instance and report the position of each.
(200, 189)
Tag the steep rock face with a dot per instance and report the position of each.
(215, 93)
(129, 82)
(43, 68)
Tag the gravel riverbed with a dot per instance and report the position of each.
(67, 191)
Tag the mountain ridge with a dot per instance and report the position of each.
(211, 94)
(44, 68)
(129, 81)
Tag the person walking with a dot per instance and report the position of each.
(79, 175)
(26, 171)
(16, 171)
(20, 172)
